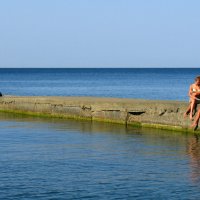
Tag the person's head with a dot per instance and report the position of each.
(197, 80)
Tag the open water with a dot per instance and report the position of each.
(171, 84)
(66, 159)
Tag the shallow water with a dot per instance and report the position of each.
(66, 159)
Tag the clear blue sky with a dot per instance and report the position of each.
(99, 33)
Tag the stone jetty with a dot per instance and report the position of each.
(136, 112)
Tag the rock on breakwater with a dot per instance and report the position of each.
(147, 113)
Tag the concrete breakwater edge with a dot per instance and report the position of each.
(136, 112)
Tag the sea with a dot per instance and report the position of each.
(44, 158)
(142, 83)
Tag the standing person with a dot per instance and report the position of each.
(194, 94)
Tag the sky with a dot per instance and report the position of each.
(99, 33)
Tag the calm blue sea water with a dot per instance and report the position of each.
(66, 159)
(171, 84)
(59, 159)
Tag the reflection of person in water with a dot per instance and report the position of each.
(194, 152)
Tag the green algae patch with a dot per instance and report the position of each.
(45, 115)
(108, 120)
(163, 127)
(170, 128)
(135, 124)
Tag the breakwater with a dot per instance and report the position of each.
(137, 112)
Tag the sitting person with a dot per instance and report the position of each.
(194, 94)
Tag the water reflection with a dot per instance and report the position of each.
(194, 152)
(63, 125)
